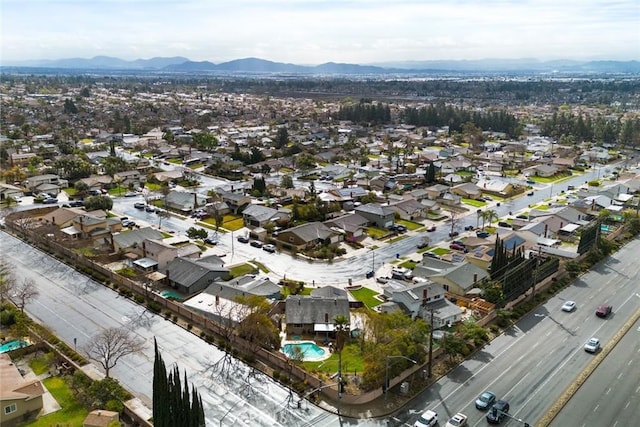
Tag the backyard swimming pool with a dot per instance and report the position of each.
(13, 345)
(171, 294)
(308, 349)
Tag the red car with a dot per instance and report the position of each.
(603, 310)
(457, 247)
(432, 228)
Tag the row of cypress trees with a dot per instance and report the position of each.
(173, 404)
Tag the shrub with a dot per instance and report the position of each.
(154, 306)
(276, 374)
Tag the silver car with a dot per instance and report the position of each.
(592, 346)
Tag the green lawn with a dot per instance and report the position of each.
(397, 238)
(231, 222)
(118, 191)
(411, 225)
(376, 233)
(409, 264)
(40, 365)
(351, 361)
(242, 269)
(367, 296)
(441, 251)
(475, 203)
(153, 186)
(72, 413)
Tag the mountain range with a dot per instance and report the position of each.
(180, 64)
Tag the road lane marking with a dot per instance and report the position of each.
(627, 405)
(608, 390)
(595, 409)
(630, 362)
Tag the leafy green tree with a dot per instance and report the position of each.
(205, 141)
(98, 203)
(286, 181)
(197, 233)
(70, 107)
(282, 137)
(114, 164)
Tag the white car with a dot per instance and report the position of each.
(569, 306)
(458, 420)
(592, 346)
(428, 419)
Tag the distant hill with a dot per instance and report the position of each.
(257, 65)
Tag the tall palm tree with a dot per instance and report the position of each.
(489, 215)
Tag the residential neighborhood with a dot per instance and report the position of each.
(275, 226)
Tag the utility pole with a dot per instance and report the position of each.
(430, 345)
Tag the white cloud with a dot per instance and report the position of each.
(316, 31)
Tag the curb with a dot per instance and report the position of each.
(584, 375)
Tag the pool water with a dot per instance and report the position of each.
(308, 350)
(13, 345)
(170, 294)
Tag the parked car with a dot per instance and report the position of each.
(457, 247)
(50, 201)
(458, 420)
(530, 193)
(469, 228)
(504, 224)
(603, 310)
(150, 208)
(571, 187)
(569, 306)
(482, 234)
(130, 194)
(497, 412)
(431, 229)
(427, 419)
(211, 241)
(401, 228)
(453, 234)
(139, 205)
(382, 280)
(269, 248)
(243, 239)
(459, 242)
(423, 244)
(401, 273)
(592, 346)
(485, 400)
(76, 203)
(256, 243)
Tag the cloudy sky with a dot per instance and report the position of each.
(318, 31)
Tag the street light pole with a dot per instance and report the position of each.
(386, 378)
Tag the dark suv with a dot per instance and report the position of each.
(603, 310)
(498, 412)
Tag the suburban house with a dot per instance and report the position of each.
(97, 182)
(163, 253)
(308, 235)
(377, 215)
(316, 313)
(184, 201)
(409, 209)
(437, 191)
(133, 239)
(542, 170)
(418, 300)
(20, 399)
(45, 183)
(457, 278)
(127, 178)
(89, 225)
(261, 216)
(497, 187)
(219, 300)
(189, 276)
(351, 225)
(468, 190)
(7, 190)
(236, 200)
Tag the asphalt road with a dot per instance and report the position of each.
(611, 395)
(534, 361)
(75, 307)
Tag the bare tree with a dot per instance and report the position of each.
(24, 292)
(7, 280)
(111, 345)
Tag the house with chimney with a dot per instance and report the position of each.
(315, 314)
(184, 201)
(456, 278)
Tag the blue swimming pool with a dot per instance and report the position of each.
(13, 345)
(171, 294)
(309, 350)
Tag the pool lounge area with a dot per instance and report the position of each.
(310, 351)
